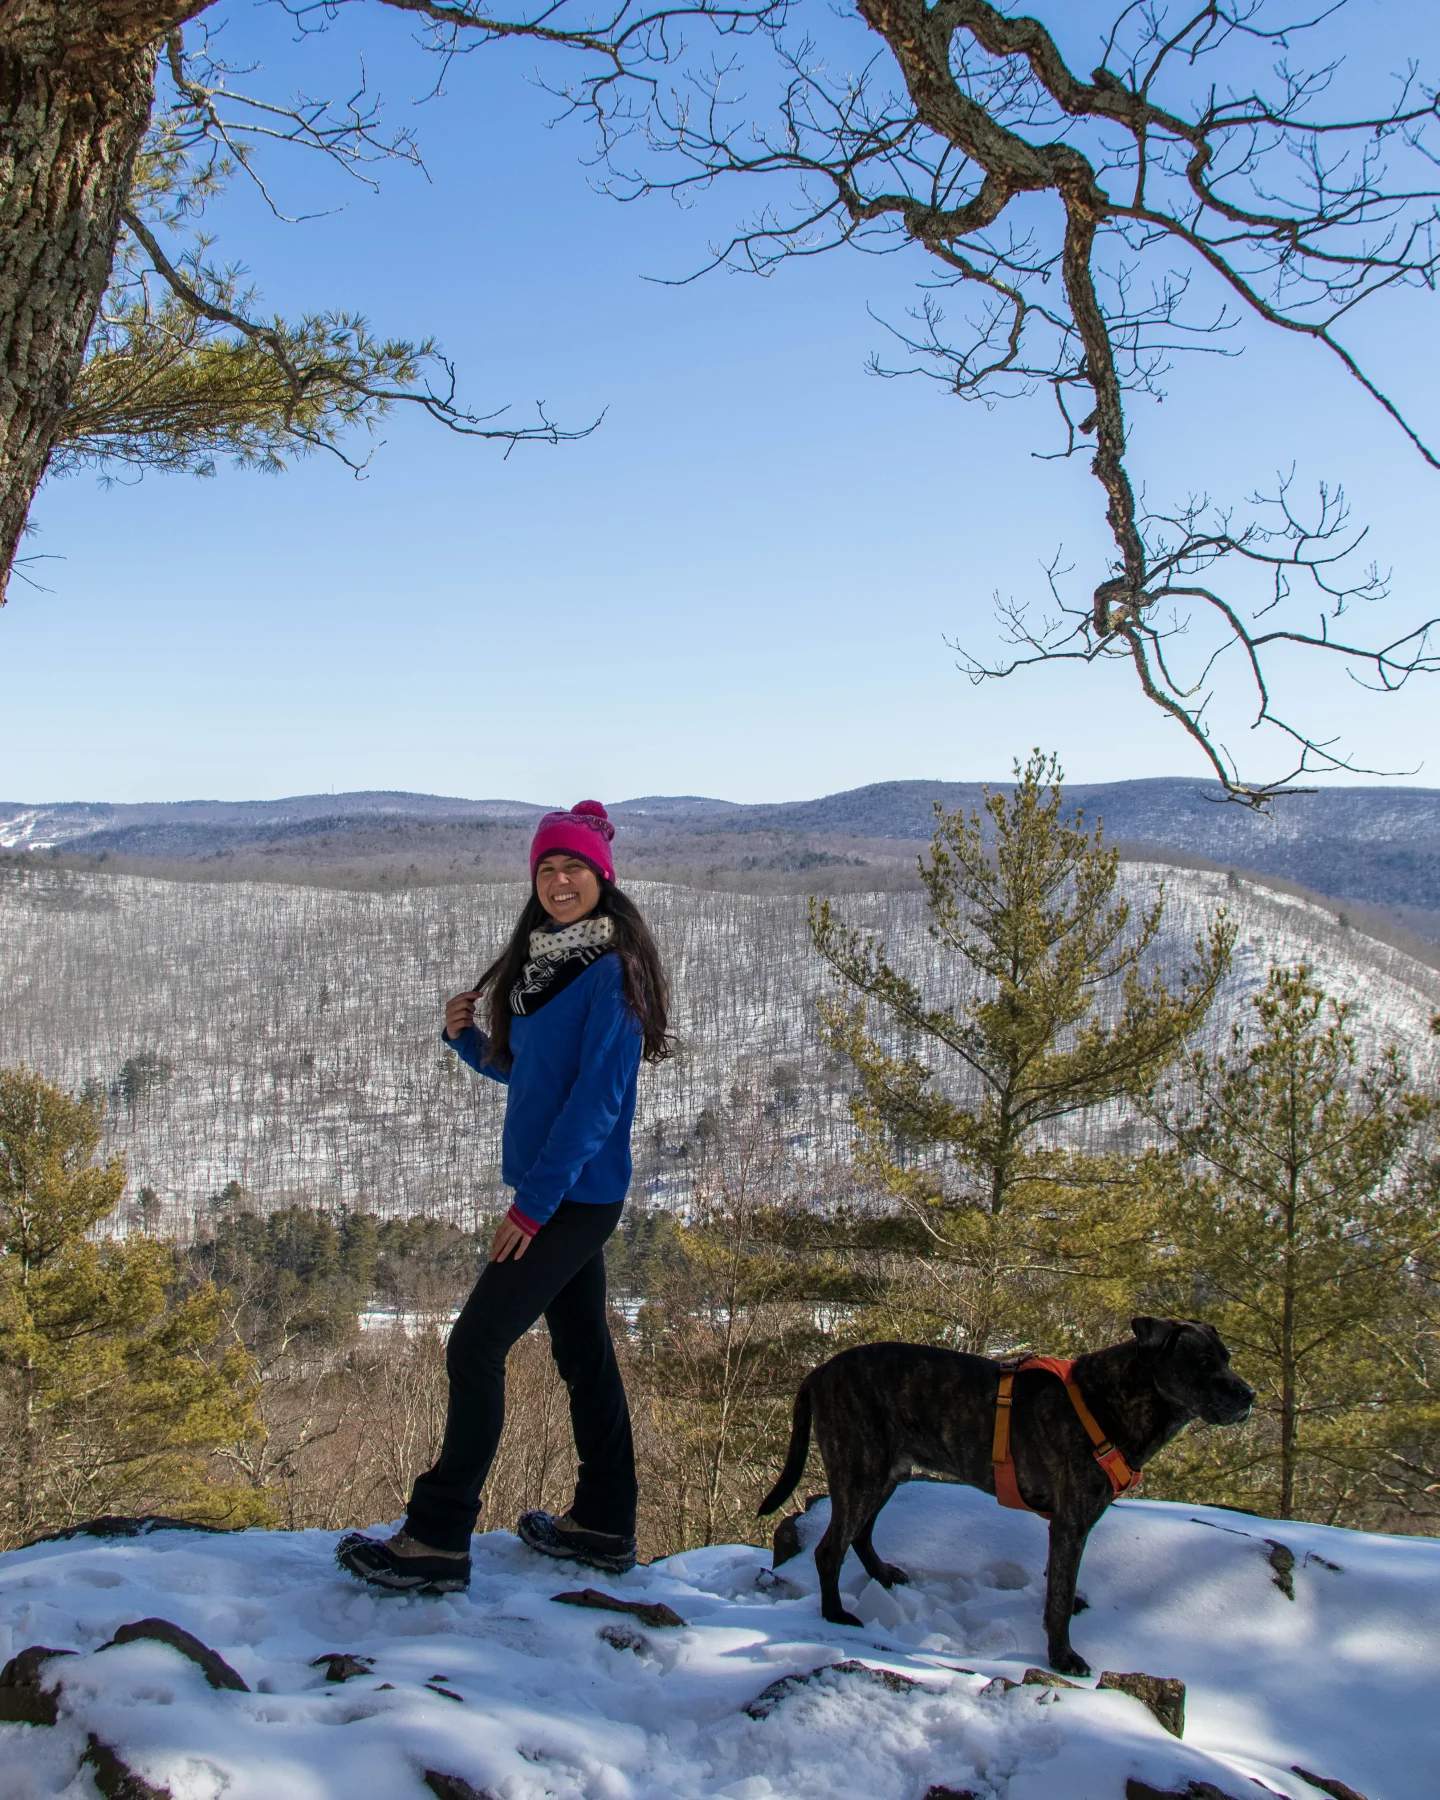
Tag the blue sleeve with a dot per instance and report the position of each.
(473, 1047)
(609, 1056)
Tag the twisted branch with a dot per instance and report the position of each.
(1299, 215)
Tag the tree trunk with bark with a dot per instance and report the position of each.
(76, 86)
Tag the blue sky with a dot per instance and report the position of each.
(741, 585)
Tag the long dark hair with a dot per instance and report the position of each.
(647, 990)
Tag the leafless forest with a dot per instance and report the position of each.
(287, 1038)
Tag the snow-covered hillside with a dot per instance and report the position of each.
(288, 1037)
(522, 1698)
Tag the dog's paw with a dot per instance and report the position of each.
(889, 1576)
(848, 1618)
(1069, 1662)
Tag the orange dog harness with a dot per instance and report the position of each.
(1007, 1491)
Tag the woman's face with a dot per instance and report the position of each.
(567, 887)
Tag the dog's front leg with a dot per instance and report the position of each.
(1067, 1546)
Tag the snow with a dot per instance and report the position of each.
(529, 1700)
(409, 1322)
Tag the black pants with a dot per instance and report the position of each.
(562, 1275)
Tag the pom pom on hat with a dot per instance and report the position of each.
(584, 831)
(592, 809)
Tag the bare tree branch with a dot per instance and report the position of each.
(1180, 218)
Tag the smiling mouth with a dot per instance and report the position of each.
(563, 899)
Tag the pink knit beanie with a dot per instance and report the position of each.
(583, 831)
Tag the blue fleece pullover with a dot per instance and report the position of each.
(572, 1094)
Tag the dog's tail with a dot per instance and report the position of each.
(795, 1460)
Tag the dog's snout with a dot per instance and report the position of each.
(1228, 1399)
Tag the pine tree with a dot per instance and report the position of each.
(1054, 1010)
(292, 1279)
(113, 1388)
(1301, 1211)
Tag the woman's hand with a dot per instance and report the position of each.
(460, 1013)
(508, 1236)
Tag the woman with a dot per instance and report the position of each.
(571, 1005)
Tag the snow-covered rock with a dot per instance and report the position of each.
(524, 1699)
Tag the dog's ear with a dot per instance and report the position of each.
(1150, 1333)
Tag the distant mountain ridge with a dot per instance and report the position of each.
(1379, 845)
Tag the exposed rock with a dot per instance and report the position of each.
(653, 1613)
(445, 1693)
(453, 1787)
(115, 1780)
(212, 1665)
(998, 1684)
(765, 1703)
(621, 1637)
(1282, 1561)
(1045, 1678)
(1194, 1790)
(1327, 1784)
(340, 1665)
(23, 1701)
(117, 1525)
(1164, 1697)
(768, 1582)
(786, 1540)
(938, 1792)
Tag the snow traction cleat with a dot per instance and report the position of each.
(595, 1549)
(372, 1561)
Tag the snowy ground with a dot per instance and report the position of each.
(525, 1699)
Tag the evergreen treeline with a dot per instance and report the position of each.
(1277, 1179)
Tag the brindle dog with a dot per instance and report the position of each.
(881, 1411)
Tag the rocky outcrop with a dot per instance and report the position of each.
(1163, 1696)
(212, 1665)
(765, 1702)
(786, 1540)
(1195, 1790)
(340, 1665)
(1282, 1560)
(1327, 1784)
(117, 1525)
(653, 1613)
(115, 1779)
(24, 1698)
(453, 1787)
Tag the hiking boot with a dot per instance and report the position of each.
(374, 1562)
(595, 1549)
